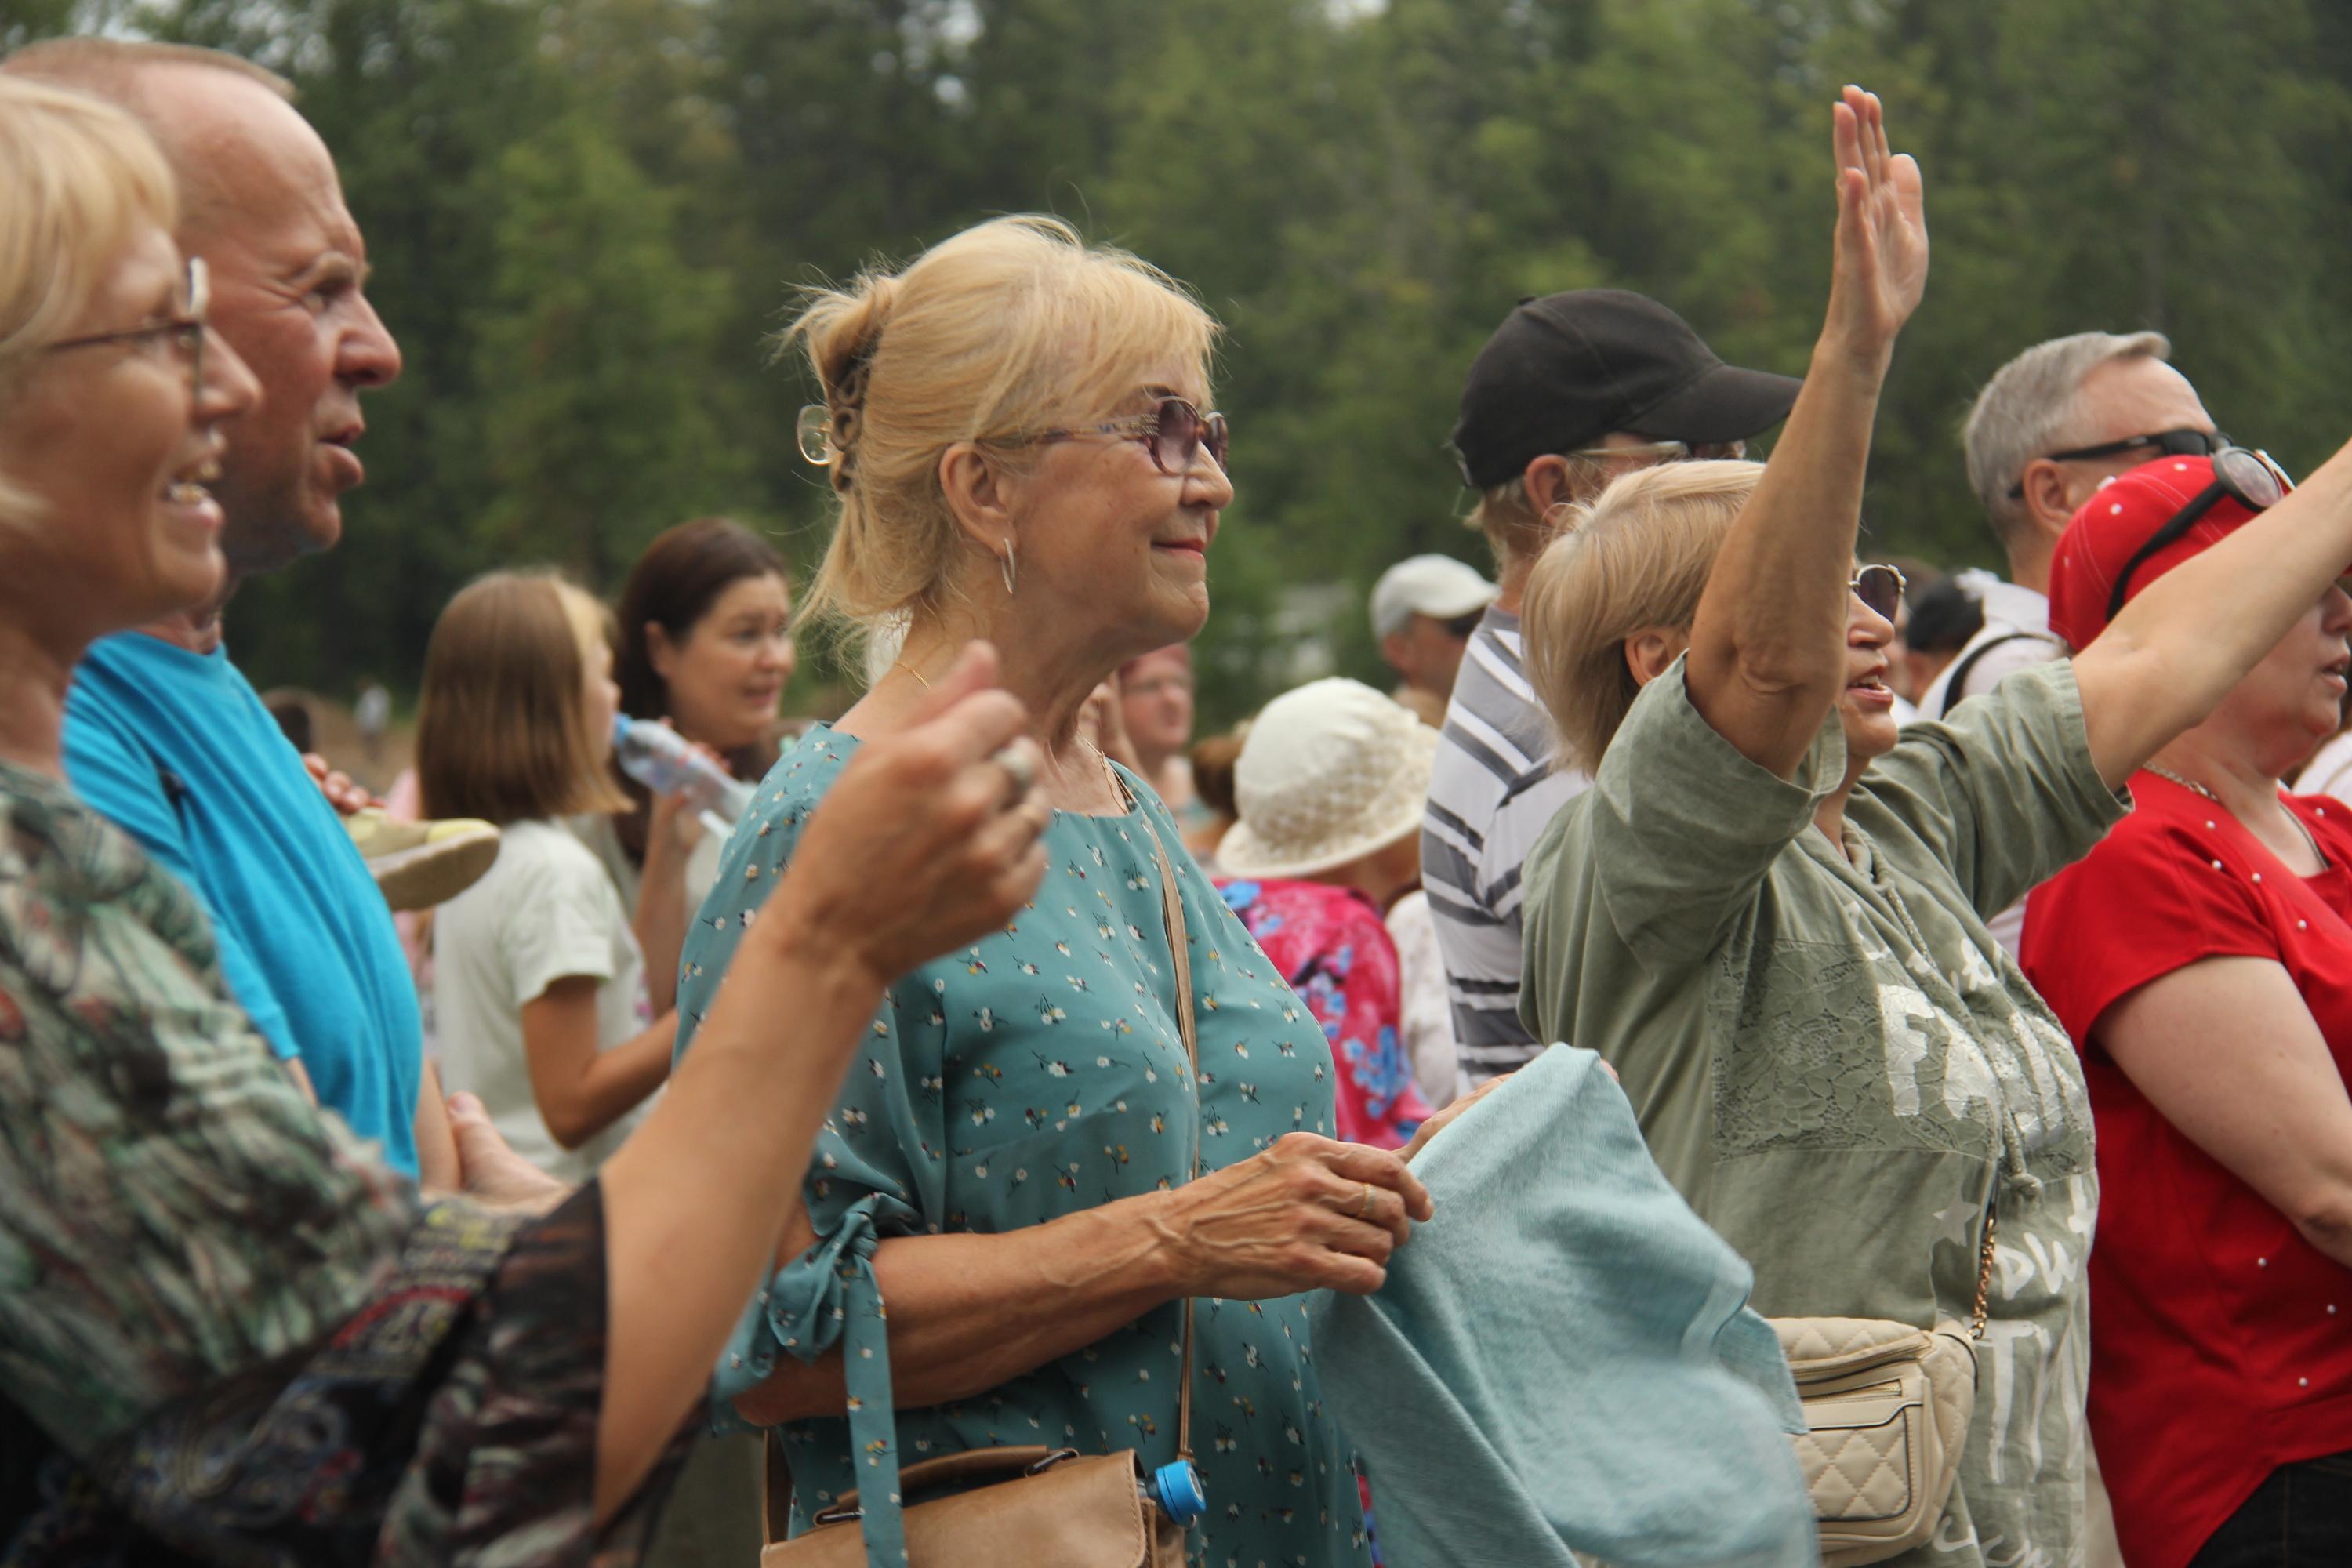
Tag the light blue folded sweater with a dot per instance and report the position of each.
(1563, 1359)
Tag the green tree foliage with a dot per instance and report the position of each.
(589, 217)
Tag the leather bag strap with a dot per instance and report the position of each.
(1172, 908)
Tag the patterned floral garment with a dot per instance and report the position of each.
(228, 1333)
(1039, 1073)
(1331, 945)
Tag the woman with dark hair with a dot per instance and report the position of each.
(703, 640)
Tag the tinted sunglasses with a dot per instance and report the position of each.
(2249, 478)
(2168, 444)
(1881, 589)
(1464, 624)
(1174, 432)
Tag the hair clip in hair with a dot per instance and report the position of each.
(816, 432)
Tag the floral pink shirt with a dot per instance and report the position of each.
(1331, 945)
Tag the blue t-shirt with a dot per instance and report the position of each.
(176, 749)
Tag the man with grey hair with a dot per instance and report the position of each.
(2050, 427)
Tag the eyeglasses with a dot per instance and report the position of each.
(1880, 588)
(2249, 478)
(184, 331)
(1665, 451)
(1462, 626)
(1174, 431)
(2168, 444)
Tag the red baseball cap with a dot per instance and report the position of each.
(2109, 530)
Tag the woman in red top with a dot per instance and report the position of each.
(2202, 958)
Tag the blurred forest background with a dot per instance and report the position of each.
(588, 216)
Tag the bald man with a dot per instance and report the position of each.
(164, 735)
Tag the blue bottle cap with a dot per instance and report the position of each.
(1178, 1488)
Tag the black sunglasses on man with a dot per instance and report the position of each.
(2167, 444)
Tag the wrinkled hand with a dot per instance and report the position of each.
(1880, 260)
(344, 796)
(491, 1173)
(926, 843)
(1445, 1118)
(1308, 1214)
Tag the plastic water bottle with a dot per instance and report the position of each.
(666, 763)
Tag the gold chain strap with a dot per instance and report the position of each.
(1984, 1278)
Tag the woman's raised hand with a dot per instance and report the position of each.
(929, 839)
(1881, 265)
(1308, 1214)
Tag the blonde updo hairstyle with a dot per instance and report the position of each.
(1012, 327)
(78, 181)
(1635, 557)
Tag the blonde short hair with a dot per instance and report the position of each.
(502, 723)
(1012, 326)
(1635, 558)
(78, 180)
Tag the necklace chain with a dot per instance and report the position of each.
(2192, 786)
(2195, 788)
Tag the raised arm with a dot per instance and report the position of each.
(2177, 648)
(1768, 650)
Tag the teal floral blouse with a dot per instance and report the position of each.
(1037, 1074)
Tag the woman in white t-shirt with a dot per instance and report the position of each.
(538, 985)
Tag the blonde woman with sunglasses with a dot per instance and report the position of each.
(1768, 912)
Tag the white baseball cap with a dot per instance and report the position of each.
(1331, 772)
(1435, 585)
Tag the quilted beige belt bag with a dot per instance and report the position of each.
(1887, 1408)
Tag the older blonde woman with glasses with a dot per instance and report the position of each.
(1039, 1159)
(1769, 910)
(230, 1332)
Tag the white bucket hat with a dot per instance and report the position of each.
(1330, 773)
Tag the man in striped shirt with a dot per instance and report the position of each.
(1572, 390)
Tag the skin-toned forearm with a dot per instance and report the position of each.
(1767, 650)
(694, 1210)
(579, 1088)
(661, 915)
(969, 1313)
(2183, 641)
(437, 1167)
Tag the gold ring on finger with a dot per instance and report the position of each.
(1364, 1208)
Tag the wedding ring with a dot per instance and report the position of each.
(1019, 764)
(1364, 1209)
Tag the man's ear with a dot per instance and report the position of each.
(2045, 496)
(978, 498)
(1652, 651)
(1546, 481)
